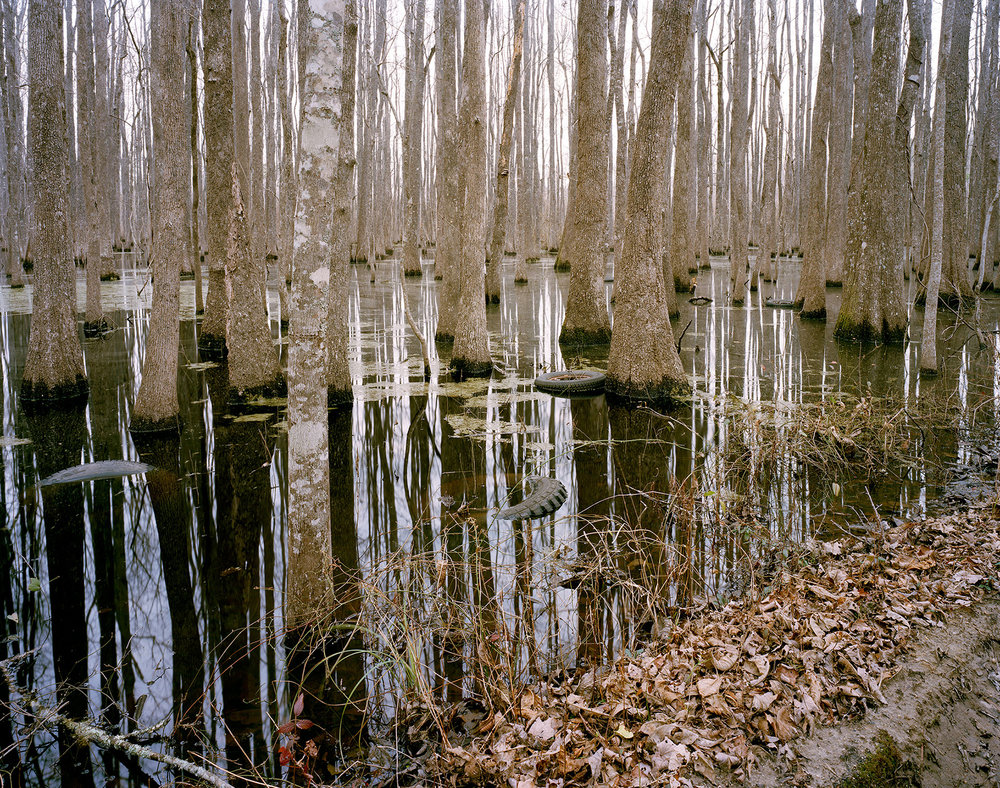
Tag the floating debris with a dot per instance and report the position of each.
(546, 496)
(90, 471)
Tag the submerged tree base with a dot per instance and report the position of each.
(862, 332)
(339, 398)
(42, 396)
(585, 337)
(95, 328)
(444, 338)
(212, 347)
(142, 426)
(245, 397)
(667, 391)
(811, 314)
(463, 368)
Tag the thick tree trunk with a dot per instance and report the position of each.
(502, 190)
(586, 321)
(53, 370)
(471, 354)
(107, 149)
(310, 586)
(643, 363)
(873, 306)
(156, 407)
(839, 175)
(338, 373)
(11, 97)
(413, 136)
(768, 245)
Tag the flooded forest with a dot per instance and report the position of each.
(388, 385)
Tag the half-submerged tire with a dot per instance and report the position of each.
(571, 382)
(546, 496)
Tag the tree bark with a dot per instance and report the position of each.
(53, 371)
(156, 406)
(447, 252)
(738, 131)
(643, 363)
(502, 190)
(586, 321)
(339, 390)
(471, 354)
(684, 199)
(310, 585)
(413, 135)
(218, 110)
(11, 96)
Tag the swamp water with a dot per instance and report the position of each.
(155, 601)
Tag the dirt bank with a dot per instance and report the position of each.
(894, 631)
(940, 725)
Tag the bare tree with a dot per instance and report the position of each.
(413, 134)
(448, 250)
(156, 407)
(738, 133)
(643, 363)
(684, 201)
(502, 190)
(586, 320)
(310, 587)
(928, 343)
(53, 370)
(471, 354)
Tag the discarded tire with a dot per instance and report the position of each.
(573, 381)
(546, 496)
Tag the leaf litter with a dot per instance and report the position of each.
(717, 693)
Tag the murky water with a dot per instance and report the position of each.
(157, 598)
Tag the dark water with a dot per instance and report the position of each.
(158, 598)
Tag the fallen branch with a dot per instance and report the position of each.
(85, 731)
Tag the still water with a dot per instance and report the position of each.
(155, 601)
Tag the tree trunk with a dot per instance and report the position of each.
(586, 321)
(738, 131)
(218, 164)
(11, 97)
(413, 135)
(502, 191)
(928, 342)
(811, 294)
(447, 251)
(873, 306)
(768, 246)
(156, 407)
(643, 363)
(471, 354)
(839, 175)
(338, 373)
(53, 371)
(90, 165)
(684, 199)
(955, 287)
(310, 586)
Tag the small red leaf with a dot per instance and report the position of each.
(284, 756)
(297, 707)
(286, 727)
(304, 724)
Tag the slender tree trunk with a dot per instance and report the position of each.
(502, 190)
(955, 286)
(338, 373)
(768, 246)
(156, 407)
(928, 342)
(286, 214)
(684, 199)
(586, 321)
(447, 252)
(90, 164)
(310, 586)
(106, 158)
(193, 73)
(840, 144)
(16, 147)
(702, 232)
(811, 295)
(218, 163)
(738, 131)
(471, 354)
(643, 363)
(413, 135)
(53, 371)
